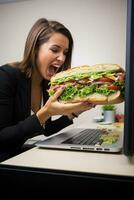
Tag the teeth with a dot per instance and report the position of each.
(56, 65)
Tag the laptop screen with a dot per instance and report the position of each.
(128, 146)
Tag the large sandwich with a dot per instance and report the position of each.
(98, 84)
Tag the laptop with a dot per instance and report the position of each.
(81, 139)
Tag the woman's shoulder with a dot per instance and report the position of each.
(9, 68)
(9, 73)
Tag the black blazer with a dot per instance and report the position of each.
(16, 122)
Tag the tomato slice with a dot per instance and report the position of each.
(113, 87)
(105, 79)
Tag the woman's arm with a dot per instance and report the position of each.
(52, 127)
(13, 134)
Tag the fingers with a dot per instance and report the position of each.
(58, 92)
(88, 104)
(79, 107)
(92, 105)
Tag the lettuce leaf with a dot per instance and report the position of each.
(90, 75)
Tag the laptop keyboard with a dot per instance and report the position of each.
(85, 137)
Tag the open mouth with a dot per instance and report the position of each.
(53, 69)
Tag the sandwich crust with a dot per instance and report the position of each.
(84, 69)
(115, 98)
(98, 99)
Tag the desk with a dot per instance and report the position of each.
(102, 163)
(86, 171)
(73, 173)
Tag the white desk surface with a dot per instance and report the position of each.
(101, 163)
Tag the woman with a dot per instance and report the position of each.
(25, 108)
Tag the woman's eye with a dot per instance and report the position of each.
(65, 53)
(54, 50)
(57, 51)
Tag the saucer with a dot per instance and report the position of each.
(105, 123)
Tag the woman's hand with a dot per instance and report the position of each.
(54, 107)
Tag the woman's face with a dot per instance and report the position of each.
(52, 55)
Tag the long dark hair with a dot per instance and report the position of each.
(39, 34)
